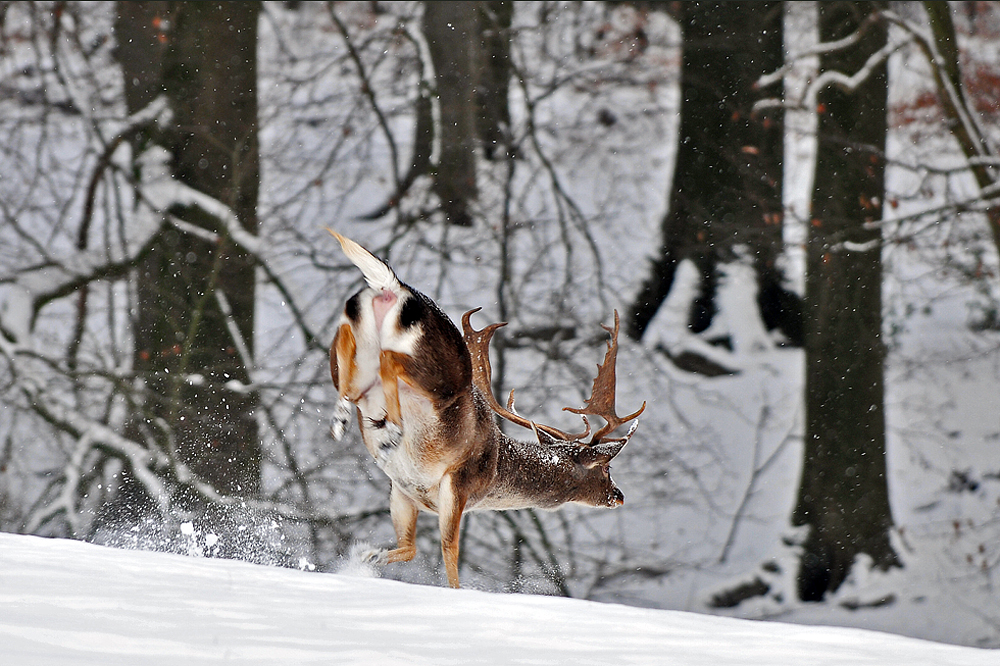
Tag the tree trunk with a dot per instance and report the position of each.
(727, 184)
(452, 33)
(203, 57)
(469, 44)
(493, 118)
(955, 105)
(843, 495)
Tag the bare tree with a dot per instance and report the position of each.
(196, 296)
(941, 50)
(843, 493)
(462, 105)
(727, 185)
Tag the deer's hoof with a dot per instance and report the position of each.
(341, 417)
(386, 435)
(374, 557)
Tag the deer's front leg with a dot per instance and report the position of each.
(344, 370)
(404, 521)
(392, 368)
(451, 504)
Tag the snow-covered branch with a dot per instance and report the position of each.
(963, 120)
(32, 288)
(847, 82)
(975, 141)
(162, 192)
(140, 460)
(817, 50)
(234, 330)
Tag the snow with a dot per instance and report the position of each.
(710, 479)
(68, 602)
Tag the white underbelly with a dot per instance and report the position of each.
(401, 454)
(414, 481)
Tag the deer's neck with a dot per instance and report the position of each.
(529, 474)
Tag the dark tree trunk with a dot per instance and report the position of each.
(452, 33)
(469, 45)
(140, 44)
(727, 185)
(493, 118)
(843, 496)
(203, 57)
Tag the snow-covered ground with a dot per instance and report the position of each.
(66, 602)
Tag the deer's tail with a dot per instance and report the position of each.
(377, 273)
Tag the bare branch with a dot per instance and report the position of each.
(369, 91)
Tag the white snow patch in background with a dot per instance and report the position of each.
(739, 317)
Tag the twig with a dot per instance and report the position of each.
(758, 472)
(369, 91)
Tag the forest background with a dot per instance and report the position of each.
(792, 206)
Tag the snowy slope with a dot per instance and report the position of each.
(66, 602)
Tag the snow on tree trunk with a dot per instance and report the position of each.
(738, 321)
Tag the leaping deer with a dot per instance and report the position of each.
(427, 415)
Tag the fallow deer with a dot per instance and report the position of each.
(427, 415)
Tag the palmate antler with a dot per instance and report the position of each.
(602, 397)
(601, 402)
(478, 343)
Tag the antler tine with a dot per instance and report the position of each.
(602, 398)
(478, 343)
(554, 432)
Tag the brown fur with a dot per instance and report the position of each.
(342, 366)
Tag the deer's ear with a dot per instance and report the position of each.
(600, 454)
(544, 438)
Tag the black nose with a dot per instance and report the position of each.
(617, 497)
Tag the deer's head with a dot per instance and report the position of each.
(585, 457)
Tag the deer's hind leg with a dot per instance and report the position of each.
(344, 370)
(451, 504)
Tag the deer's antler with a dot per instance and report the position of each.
(601, 402)
(478, 343)
(602, 398)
